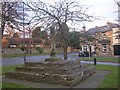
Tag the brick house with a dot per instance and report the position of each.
(107, 39)
(116, 41)
(104, 43)
(17, 42)
(108, 42)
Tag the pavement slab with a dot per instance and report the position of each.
(91, 82)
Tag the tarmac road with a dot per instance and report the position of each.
(71, 56)
(20, 60)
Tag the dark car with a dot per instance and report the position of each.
(93, 53)
(83, 54)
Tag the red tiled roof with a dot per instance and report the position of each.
(5, 35)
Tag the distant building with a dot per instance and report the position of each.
(104, 43)
(18, 42)
(116, 41)
(107, 41)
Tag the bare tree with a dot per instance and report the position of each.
(62, 12)
(117, 2)
(9, 13)
(12, 15)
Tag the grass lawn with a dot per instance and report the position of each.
(18, 55)
(5, 69)
(11, 85)
(101, 59)
(111, 80)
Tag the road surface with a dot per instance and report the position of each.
(71, 56)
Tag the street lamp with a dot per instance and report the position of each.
(24, 36)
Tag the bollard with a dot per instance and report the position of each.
(95, 61)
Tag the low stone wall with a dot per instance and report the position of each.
(11, 51)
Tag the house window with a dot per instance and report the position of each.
(104, 48)
(99, 37)
(103, 36)
(117, 36)
(13, 46)
(84, 48)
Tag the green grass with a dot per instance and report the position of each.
(11, 85)
(5, 69)
(101, 59)
(111, 80)
(12, 55)
(18, 55)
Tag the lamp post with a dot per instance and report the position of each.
(24, 36)
(30, 40)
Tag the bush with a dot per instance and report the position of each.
(39, 49)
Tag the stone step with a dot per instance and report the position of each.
(58, 64)
(53, 59)
(48, 78)
(60, 70)
(63, 79)
(42, 70)
(53, 70)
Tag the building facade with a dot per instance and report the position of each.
(104, 43)
(116, 41)
(108, 42)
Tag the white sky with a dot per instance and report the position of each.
(103, 8)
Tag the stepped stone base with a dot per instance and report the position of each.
(56, 71)
(52, 59)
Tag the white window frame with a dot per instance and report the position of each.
(104, 48)
(103, 35)
(85, 48)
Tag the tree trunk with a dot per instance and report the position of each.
(52, 53)
(3, 17)
(65, 50)
(52, 33)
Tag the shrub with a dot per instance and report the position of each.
(39, 49)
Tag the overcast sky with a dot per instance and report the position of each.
(106, 9)
(103, 8)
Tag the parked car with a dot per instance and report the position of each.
(83, 54)
(93, 53)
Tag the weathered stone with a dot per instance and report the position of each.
(55, 71)
(52, 59)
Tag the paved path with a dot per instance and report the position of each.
(91, 82)
(101, 63)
